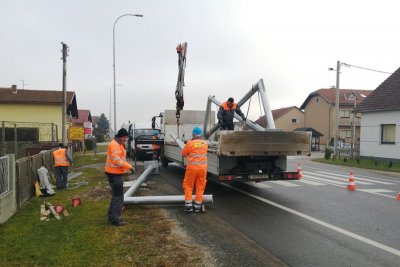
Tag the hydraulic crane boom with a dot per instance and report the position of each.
(181, 50)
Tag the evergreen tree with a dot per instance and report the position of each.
(102, 124)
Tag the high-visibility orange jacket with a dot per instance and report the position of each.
(116, 158)
(195, 152)
(226, 113)
(60, 159)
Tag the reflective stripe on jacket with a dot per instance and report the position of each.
(116, 158)
(195, 152)
(60, 159)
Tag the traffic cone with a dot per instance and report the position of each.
(352, 182)
(299, 171)
(398, 196)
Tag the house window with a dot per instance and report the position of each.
(388, 133)
(317, 100)
(345, 134)
(294, 120)
(345, 113)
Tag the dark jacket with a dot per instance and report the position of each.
(226, 114)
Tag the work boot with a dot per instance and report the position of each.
(119, 223)
(197, 207)
(188, 206)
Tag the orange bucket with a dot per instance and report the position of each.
(76, 201)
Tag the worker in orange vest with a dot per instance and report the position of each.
(155, 147)
(195, 152)
(226, 113)
(116, 166)
(61, 160)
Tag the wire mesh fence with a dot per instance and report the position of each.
(4, 176)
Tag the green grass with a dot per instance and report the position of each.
(81, 159)
(364, 163)
(85, 238)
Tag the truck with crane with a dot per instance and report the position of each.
(256, 154)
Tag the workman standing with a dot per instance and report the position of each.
(61, 162)
(195, 152)
(156, 147)
(226, 113)
(116, 166)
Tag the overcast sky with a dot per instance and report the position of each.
(231, 45)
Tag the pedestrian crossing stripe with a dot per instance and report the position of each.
(358, 178)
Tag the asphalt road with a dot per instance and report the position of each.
(312, 222)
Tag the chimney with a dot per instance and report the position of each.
(14, 89)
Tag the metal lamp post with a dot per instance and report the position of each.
(115, 97)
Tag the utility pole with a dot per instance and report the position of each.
(335, 143)
(64, 90)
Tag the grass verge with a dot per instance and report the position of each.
(363, 163)
(86, 239)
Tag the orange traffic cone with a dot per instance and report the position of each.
(299, 171)
(398, 196)
(352, 182)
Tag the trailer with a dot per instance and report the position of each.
(256, 154)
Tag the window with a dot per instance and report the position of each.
(388, 133)
(345, 113)
(317, 100)
(345, 134)
(294, 120)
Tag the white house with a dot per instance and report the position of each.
(380, 121)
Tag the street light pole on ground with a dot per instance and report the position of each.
(115, 97)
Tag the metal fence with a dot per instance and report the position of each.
(4, 176)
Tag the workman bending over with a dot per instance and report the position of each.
(195, 152)
(61, 163)
(226, 113)
(116, 166)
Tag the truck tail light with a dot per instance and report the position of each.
(226, 177)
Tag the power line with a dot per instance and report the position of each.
(348, 65)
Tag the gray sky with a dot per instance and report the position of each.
(231, 45)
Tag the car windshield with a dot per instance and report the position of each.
(142, 133)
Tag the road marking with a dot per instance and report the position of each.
(257, 185)
(310, 182)
(324, 180)
(362, 179)
(334, 176)
(283, 183)
(378, 192)
(322, 223)
(372, 177)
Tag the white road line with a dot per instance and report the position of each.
(257, 185)
(366, 176)
(324, 180)
(283, 183)
(334, 176)
(310, 182)
(358, 178)
(378, 192)
(322, 223)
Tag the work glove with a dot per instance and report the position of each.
(132, 171)
(220, 122)
(244, 119)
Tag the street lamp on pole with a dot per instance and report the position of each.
(336, 134)
(115, 97)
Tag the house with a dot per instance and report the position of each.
(84, 115)
(380, 121)
(288, 118)
(319, 114)
(37, 107)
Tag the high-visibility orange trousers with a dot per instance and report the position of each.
(196, 178)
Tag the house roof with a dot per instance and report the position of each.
(276, 114)
(346, 96)
(314, 133)
(83, 116)
(385, 97)
(13, 95)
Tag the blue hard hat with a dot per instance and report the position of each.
(155, 132)
(197, 130)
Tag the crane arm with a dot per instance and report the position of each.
(181, 50)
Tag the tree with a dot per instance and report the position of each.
(102, 125)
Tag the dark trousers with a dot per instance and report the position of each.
(227, 126)
(61, 176)
(117, 197)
